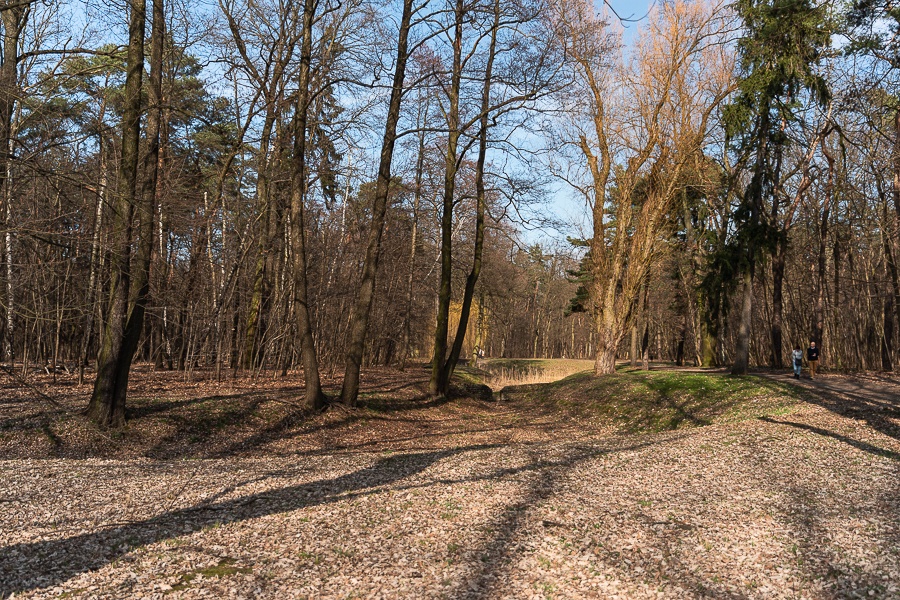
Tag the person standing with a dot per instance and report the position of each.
(812, 357)
(797, 359)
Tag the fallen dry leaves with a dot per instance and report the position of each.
(467, 499)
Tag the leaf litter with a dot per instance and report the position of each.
(226, 490)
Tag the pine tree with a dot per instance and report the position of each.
(783, 43)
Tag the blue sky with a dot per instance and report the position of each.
(634, 9)
(565, 206)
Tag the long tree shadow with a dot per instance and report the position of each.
(34, 565)
(27, 566)
(204, 425)
(860, 445)
(810, 520)
(143, 408)
(498, 554)
(291, 426)
(362, 447)
(878, 408)
(211, 426)
(820, 560)
(41, 564)
(210, 417)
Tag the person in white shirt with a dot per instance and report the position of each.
(797, 358)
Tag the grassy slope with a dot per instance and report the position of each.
(641, 401)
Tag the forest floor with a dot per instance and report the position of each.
(667, 484)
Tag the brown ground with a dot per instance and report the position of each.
(226, 490)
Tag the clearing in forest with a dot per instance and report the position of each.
(653, 484)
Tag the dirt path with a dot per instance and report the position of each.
(873, 399)
(800, 504)
(867, 388)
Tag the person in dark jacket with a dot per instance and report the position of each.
(812, 357)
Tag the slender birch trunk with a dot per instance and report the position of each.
(14, 18)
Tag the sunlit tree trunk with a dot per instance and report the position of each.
(895, 194)
(94, 275)
(438, 384)
(314, 397)
(263, 271)
(359, 321)
(776, 330)
(822, 258)
(753, 200)
(887, 340)
(480, 208)
(414, 233)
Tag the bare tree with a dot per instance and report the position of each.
(315, 398)
(14, 16)
(360, 318)
(129, 267)
(675, 84)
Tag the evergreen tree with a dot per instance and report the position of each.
(784, 40)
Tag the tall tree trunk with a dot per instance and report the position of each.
(895, 192)
(140, 281)
(260, 289)
(480, 209)
(645, 339)
(819, 314)
(9, 332)
(14, 18)
(708, 341)
(437, 386)
(315, 399)
(94, 276)
(742, 349)
(887, 340)
(605, 359)
(107, 404)
(410, 277)
(682, 339)
(359, 321)
(478, 346)
(755, 206)
(609, 331)
(635, 346)
(645, 347)
(893, 293)
(895, 159)
(778, 305)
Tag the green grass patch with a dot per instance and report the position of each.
(642, 401)
(469, 374)
(223, 569)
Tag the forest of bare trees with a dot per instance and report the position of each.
(253, 187)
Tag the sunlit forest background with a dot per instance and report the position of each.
(256, 187)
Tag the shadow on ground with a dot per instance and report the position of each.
(874, 401)
(42, 564)
(245, 421)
